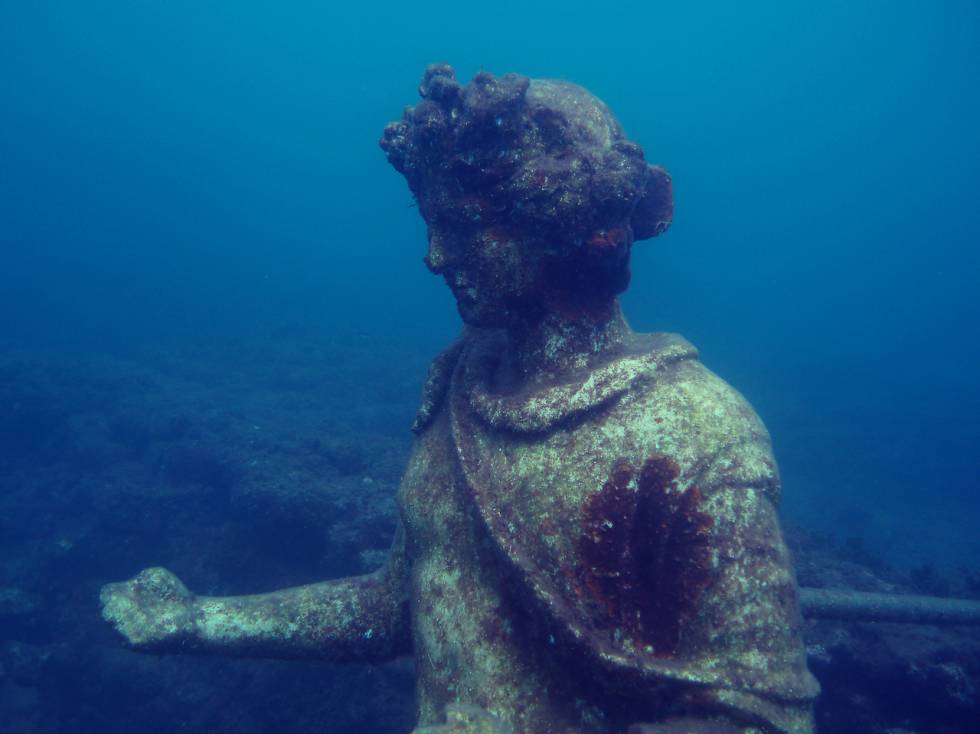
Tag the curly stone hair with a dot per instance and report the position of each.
(543, 156)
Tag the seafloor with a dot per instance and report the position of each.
(249, 467)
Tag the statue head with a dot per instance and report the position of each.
(532, 194)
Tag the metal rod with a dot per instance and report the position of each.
(861, 606)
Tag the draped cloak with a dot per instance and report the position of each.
(498, 503)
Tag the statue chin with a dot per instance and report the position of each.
(481, 314)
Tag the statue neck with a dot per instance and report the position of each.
(555, 345)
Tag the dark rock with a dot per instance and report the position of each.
(201, 465)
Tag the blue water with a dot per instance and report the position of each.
(184, 178)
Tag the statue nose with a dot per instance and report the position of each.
(437, 258)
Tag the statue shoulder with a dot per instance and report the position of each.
(437, 385)
(663, 347)
(697, 415)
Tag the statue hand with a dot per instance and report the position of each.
(153, 610)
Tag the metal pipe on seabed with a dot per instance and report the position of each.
(862, 606)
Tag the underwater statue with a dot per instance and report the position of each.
(589, 539)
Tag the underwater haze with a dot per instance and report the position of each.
(215, 320)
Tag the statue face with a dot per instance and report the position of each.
(494, 275)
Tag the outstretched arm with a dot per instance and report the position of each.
(355, 619)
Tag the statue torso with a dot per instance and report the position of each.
(532, 531)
